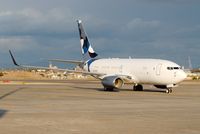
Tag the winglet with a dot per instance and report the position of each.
(13, 59)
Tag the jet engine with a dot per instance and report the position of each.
(112, 82)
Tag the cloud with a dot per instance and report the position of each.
(170, 1)
(18, 43)
(139, 28)
(35, 22)
(139, 23)
(31, 29)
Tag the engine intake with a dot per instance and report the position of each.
(112, 82)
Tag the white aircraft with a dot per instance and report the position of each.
(114, 72)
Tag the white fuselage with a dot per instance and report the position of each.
(143, 71)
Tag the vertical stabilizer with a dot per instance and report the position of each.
(86, 48)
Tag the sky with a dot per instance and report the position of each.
(36, 30)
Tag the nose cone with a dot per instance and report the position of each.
(182, 76)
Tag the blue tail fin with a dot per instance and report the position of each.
(86, 48)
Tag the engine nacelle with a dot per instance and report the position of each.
(112, 82)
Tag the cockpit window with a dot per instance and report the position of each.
(173, 68)
(176, 67)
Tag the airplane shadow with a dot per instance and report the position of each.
(97, 89)
(2, 112)
(119, 90)
(154, 90)
(10, 93)
(144, 90)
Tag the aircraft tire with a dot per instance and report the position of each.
(138, 88)
(169, 90)
(108, 89)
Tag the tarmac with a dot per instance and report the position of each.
(82, 107)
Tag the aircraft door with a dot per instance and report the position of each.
(158, 69)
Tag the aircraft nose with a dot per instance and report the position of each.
(182, 75)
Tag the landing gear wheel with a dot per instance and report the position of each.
(108, 89)
(169, 90)
(138, 88)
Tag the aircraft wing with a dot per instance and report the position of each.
(60, 69)
(67, 61)
(97, 75)
(56, 69)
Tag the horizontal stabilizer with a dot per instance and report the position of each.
(67, 61)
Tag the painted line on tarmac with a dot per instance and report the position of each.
(29, 83)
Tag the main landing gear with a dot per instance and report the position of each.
(137, 88)
(108, 89)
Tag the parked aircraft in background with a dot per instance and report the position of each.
(114, 72)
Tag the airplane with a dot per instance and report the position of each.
(115, 72)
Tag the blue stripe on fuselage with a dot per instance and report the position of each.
(89, 62)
